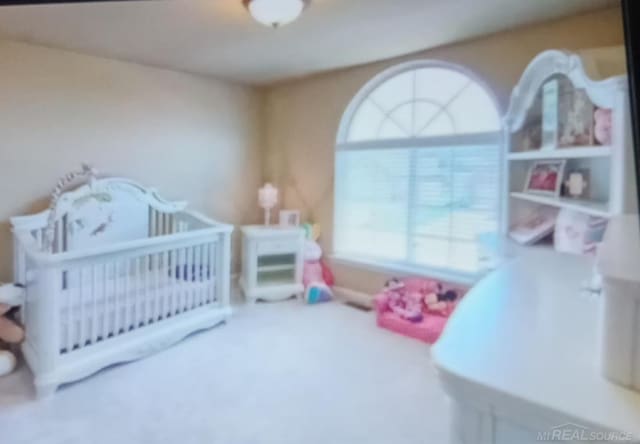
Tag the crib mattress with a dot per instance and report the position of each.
(105, 311)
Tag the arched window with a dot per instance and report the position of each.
(418, 167)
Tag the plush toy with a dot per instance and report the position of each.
(406, 304)
(316, 275)
(10, 331)
(602, 127)
(440, 301)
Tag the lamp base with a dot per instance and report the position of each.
(267, 216)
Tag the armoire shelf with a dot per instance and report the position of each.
(598, 209)
(608, 169)
(582, 152)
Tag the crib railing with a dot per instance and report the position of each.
(113, 297)
(79, 300)
(118, 274)
(159, 224)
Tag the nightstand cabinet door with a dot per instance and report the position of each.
(272, 260)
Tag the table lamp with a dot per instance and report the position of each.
(268, 198)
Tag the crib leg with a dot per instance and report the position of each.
(45, 390)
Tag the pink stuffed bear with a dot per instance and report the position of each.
(602, 127)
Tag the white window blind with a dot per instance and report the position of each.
(418, 171)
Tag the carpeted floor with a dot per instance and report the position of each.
(280, 373)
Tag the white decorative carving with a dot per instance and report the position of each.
(550, 63)
(101, 190)
(85, 172)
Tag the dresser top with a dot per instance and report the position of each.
(527, 337)
(270, 231)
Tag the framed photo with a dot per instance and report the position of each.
(576, 123)
(550, 100)
(289, 218)
(545, 177)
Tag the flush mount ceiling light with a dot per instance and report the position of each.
(275, 13)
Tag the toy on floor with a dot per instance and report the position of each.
(404, 303)
(10, 331)
(441, 301)
(316, 275)
(397, 309)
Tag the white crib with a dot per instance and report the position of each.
(125, 274)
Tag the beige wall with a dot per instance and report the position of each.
(200, 139)
(302, 117)
(191, 137)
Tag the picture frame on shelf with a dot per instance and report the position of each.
(530, 137)
(576, 124)
(568, 115)
(289, 218)
(550, 102)
(545, 177)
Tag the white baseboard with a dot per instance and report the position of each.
(353, 297)
(341, 293)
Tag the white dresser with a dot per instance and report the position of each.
(519, 359)
(272, 260)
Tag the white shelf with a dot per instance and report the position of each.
(268, 268)
(589, 207)
(276, 282)
(563, 153)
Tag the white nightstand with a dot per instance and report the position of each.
(272, 259)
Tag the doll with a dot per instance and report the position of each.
(405, 304)
(316, 275)
(440, 301)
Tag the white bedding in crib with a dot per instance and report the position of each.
(87, 317)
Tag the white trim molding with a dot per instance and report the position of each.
(371, 85)
(354, 297)
(494, 137)
(551, 62)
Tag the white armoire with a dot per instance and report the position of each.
(520, 356)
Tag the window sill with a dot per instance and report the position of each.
(396, 268)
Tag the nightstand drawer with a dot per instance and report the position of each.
(276, 246)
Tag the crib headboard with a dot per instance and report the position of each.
(105, 211)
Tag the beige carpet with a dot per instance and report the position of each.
(280, 373)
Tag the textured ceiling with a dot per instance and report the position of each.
(219, 38)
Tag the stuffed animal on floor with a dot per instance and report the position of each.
(10, 331)
(316, 275)
(405, 304)
(440, 301)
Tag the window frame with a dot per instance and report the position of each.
(492, 137)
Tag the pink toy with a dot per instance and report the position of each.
(440, 301)
(405, 304)
(316, 275)
(602, 128)
(428, 325)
